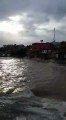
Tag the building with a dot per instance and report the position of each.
(42, 50)
(40, 46)
(60, 50)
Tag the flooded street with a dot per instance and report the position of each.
(32, 90)
(47, 78)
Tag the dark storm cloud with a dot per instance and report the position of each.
(55, 8)
(12, 7)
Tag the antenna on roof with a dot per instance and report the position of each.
(54, 35)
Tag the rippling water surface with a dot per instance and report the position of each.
(18, 77)
(12, 74)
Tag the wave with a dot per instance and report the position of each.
(25, 106)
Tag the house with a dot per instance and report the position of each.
(60, 50)
(40, 46)
(42, 50)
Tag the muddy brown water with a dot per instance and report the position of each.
(46, 80)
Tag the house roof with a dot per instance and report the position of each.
(40, 46)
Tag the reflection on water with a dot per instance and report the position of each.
(17, 102)
(12, 74)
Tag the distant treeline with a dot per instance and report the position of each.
(14, 50)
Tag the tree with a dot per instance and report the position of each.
(41, 41)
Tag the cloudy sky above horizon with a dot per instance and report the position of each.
(28, 21)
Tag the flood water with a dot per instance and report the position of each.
(32, 90)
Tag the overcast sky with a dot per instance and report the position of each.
(29, 21)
